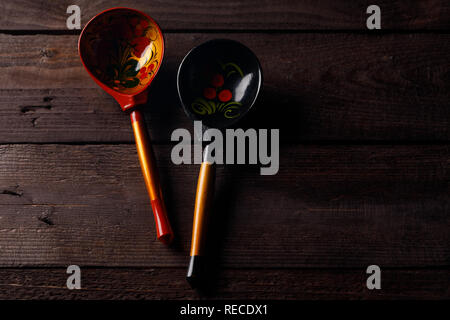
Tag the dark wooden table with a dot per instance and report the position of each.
(364, 118)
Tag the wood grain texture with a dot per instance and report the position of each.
(329, 206)
(71, 190)
(317, 88)
(169, 283)
(237, 15)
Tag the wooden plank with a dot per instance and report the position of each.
(329, 206)
(317, 87)
(159, 283)
(237, 15)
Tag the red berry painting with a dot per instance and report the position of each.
(217, 97)
(225, 95)
(217, 80)
(209, 93)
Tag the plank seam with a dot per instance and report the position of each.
(244, 31)
(387, 268)
(323, 143)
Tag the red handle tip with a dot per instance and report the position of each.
(164, 232)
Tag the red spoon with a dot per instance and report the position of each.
(122, 49)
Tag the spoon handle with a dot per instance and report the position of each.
(149, 171)
(203, 201)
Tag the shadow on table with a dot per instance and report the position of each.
(273, 110)
(277, 110)
(229, 187)
(220, 219)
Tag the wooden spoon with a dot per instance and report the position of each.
(122, 49)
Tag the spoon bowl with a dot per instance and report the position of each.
(218, 82)
(122, 49)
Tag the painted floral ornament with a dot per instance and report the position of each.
(129, 51)
(217, 98)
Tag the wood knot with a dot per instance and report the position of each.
(45, 217)
(14, 192)
(47, 53)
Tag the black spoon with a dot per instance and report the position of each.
(218, 82)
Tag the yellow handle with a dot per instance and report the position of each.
(203, 200)
(149, 171)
